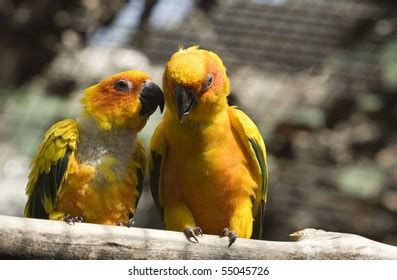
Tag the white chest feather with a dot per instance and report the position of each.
(102, 149)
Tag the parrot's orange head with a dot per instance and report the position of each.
(195, 84)
(126, 99)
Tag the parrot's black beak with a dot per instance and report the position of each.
(151, 96)
(185, 101)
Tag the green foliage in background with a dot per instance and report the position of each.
(389, 65)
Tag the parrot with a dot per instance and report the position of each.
(207, 160)
(91, 168)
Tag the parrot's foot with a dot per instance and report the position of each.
(231, 234)
(193, 233)
(72, 220)
(130, 223)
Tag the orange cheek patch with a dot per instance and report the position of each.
(218, 81)
(218, 76)
(112, 104)
(216, 86)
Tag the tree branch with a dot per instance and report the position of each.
(43, 239)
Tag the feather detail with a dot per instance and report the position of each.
(253, 141)
(158, 151)
(49, 167)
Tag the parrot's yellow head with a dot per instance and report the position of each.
(195, 84)
(126, 99)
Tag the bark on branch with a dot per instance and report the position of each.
(42, 239)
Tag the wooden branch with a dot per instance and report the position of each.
(42, 239)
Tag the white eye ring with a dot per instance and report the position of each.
(209, 82)
(123, 85)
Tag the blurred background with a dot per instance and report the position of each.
(318, 77)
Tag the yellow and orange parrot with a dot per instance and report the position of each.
(208, 167)
(91, 169)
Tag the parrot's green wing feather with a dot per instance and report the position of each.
(158, 152)
(49, 167)
(140, 164)
(253, 141)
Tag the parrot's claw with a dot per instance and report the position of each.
(193, 233)
(130, 223)
(198, 231)
(71, 220)
(231, 234)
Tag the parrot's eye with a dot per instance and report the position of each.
(208, 83)
(123, 85)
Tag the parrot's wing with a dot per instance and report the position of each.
(140, 164)
(252, 139)
(49, 167)
(158, 152)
